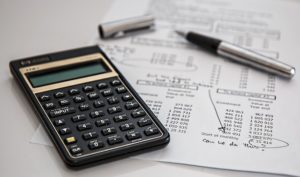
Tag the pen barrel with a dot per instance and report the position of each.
(255, 60)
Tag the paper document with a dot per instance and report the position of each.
(219, 113)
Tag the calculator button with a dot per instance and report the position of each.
(114, 109)
(49, 105)
(64, 102)
(78, 118)
(59, 94)
(89, 135)
(88, 88)
(95, 144)
(127, 126)
(151, 131)
(133, 136)
(59, 122)
(98, 103)
(108, 131)
(115, 82)
(75, 150)
(144, 122)
(78, 99)
(64, 131)
(44, 98)
(112, 100)
(70, 140)
(131, 105)
(93, 96)
(102, 122)
(121, 89)
(84, 107)
(102, 85)
(61, 111)
(74, 91)
(127, 97)
(114, 140)
(84, 126)
(95, 114)
(120, 118)
(107, 92)
(138, 113)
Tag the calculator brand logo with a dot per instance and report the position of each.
(25, 62)
(35, 61)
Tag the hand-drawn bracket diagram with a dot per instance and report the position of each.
(153, 60)
(170, 82)
(161, 61)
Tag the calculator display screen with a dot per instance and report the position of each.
(68, 73)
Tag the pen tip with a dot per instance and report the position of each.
(181, 33)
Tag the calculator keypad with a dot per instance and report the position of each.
(97, 116)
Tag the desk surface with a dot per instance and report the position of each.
(35, 27)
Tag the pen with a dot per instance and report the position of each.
(239, 54)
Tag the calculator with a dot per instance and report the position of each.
(87, 107)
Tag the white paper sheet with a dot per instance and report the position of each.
(220, 114)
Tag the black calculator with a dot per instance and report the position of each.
(87, 107)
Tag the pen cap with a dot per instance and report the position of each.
(121, 27)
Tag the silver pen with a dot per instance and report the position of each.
(240, 54)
